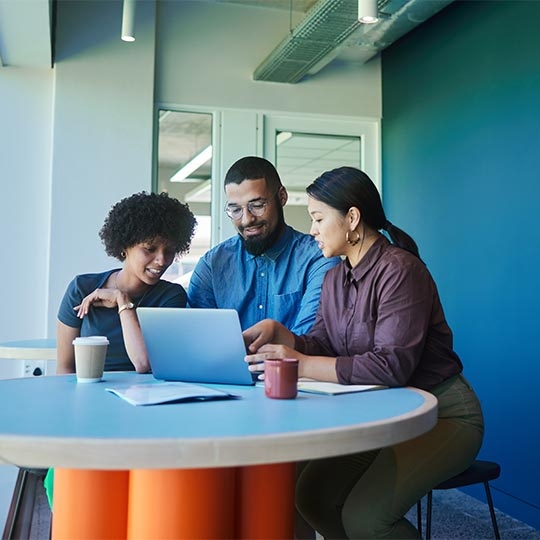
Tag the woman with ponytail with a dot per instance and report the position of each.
(380, 321)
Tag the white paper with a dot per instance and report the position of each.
(156, 392)
(331, 389)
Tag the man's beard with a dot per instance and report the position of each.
(258, 246)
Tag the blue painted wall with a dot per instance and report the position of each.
(461, 174)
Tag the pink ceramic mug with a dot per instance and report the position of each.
(281, 378)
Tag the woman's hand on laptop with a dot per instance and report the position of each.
(267, 331)
(265, 340)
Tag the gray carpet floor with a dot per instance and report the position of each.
(455, 516)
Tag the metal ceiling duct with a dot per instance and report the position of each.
(331, 26)
(326, 25)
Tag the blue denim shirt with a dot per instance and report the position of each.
(282, 284)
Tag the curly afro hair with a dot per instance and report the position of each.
(146, 216)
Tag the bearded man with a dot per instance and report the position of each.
(268, 270)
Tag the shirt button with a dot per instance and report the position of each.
(260, 306)
(262, 274)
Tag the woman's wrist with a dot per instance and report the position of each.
(126, 306)
(122, 298)
(301, 367)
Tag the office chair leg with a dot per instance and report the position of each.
(492, 512)
(14, 512)
(428, 515)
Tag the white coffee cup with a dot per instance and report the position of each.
(90, 353)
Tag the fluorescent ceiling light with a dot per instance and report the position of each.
(367, 11)
(283, 136)
(200, 194)
(191, 166)
(128, 20)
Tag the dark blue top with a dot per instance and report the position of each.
(102, 321)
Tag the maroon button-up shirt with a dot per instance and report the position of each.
(384, 322)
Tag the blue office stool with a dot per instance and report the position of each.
(480, 472)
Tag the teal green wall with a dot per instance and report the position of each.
(461, 174)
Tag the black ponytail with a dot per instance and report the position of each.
(345, 187)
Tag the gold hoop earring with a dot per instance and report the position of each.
(354, 241)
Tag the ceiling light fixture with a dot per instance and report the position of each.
(200, 194)
(128, 20)
(191, 166)
(367, 11)
(283, 136)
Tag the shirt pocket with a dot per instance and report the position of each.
(286, 307)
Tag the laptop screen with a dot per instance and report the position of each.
(195, 345)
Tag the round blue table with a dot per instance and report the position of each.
(126, 471)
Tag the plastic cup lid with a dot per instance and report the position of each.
(91, 340)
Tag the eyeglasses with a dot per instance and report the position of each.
(256, 208)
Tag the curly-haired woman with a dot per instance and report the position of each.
(146, 232)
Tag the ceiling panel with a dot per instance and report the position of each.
(304, 157)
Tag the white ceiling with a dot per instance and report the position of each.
(26, 36)
(27, 26)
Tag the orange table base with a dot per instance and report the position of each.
(190, 503)
(255, 502)
(265, 502)
(90, 504)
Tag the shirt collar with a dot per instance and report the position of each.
(368, 261)
(275, 251)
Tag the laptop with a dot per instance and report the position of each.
(195, 345)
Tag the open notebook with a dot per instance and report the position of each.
(329, 388)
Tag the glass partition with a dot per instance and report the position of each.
(192, 146)
(302, 157)
(184, 171)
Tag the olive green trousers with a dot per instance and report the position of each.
(366, 495)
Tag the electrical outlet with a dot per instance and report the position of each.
(34, 368)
